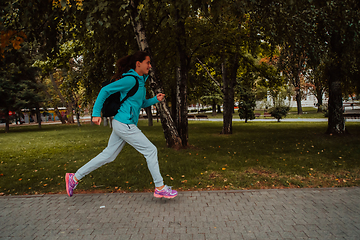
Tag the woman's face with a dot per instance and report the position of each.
(143, 67)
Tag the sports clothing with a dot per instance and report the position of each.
(121, 134)
(129, 111)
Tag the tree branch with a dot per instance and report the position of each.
(217, 83)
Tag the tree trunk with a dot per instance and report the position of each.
(177, 116)
(181, 106)
(90, 110)
(171, 134)
(70, 115)
(182, 73)
(38, 116)
(298, 102)
(336, 121)
(57, 89)
(228, 90)
(227, 111)
(58, 114)
(149, 115)
(227, 123)
(298, 92)
(149, 112)
(320, 100)
(7, 120)
(17, 118)
(74, 107)
(214, 108)
(77, 112)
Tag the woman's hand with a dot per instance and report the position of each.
(96, 120)
(160, 96)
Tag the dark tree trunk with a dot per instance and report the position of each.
(336, 121)
(298, 92)
(7, 120)
(227, 109)
(228, 90)
(38, 116)
(214, 108)
(90, 110)
(320, 100)
(298, 103)
(58, 114)
(70, 114)
(149, 115)
(77, 111)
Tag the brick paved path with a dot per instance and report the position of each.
(254, 214)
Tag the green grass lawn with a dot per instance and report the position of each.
(308, 112)
(257, 155)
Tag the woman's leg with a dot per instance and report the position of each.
(133, 136)
(115, 145)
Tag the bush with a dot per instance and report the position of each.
(279, 112)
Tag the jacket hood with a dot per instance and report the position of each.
(132, 73)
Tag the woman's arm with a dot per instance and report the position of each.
(151, 101)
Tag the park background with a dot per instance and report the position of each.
(239, 59)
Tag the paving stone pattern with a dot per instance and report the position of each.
(252, 214)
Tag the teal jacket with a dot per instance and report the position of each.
(130, 109)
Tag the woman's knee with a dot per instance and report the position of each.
(151, 151)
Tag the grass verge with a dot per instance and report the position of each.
(257, 155)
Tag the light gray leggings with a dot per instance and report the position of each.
(121, 134)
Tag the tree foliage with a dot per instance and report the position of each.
(19, 87)
(223, 35)
(322, 30)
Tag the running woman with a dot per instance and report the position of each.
(124, 124)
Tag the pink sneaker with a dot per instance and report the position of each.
(166, 192)
(70, 183)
